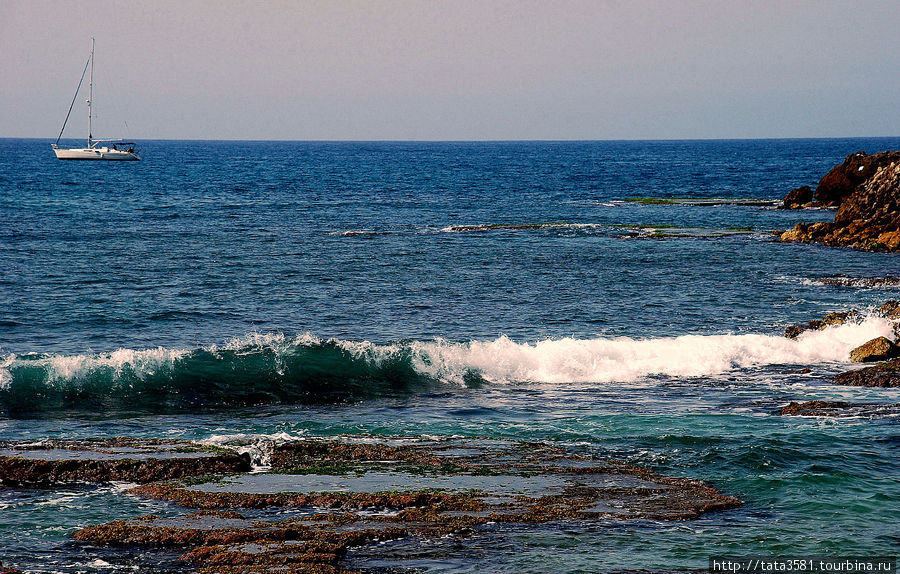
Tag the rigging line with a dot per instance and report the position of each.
(73, 100)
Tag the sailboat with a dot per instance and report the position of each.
(112, 149)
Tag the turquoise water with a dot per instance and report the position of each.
(255, 291)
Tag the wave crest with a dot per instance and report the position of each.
(275, 368)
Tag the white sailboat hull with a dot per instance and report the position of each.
(93, 151)
(96, 153)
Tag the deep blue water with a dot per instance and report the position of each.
(505, 289)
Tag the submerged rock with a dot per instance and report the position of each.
(811, 408)
(877, 349)
(888, 281)
(885, 374)
(838, 409)
(866, 190)
(324, 496)
(56, 462)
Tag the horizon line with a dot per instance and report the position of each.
(525, 140)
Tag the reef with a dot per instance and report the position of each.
(838, 409)
(888, 281)
(58, 462)
(866, 191)
(321, 497)
(702, 201)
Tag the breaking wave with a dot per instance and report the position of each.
(274, 368)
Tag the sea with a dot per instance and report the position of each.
(624, 298)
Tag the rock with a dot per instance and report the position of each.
(890, 309)
(324, 496)
(888, 281)
(837, 318)
(798, 198)
(866, 190)
(838, 409)
(875, 198)
(810, 408)
(844, 179)
(797, 234)
(885, 374)
(57, 462)
(877, 349)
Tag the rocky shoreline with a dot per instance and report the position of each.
(865, 189)
(319, 497)
(879, 349)
(885, 373)
(60, 462)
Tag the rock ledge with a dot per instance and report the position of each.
(866, 191)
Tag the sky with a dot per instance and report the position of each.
(453, 70)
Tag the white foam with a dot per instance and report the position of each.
(61, 368)
(5, 376)
(503, 360)
(626, 359)
(258, 446)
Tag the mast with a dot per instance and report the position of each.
(91, 97)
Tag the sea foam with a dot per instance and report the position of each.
(625, 359)
(273, 368)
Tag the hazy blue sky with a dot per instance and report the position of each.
(454, 70)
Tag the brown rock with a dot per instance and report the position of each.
(810, 408)
(838, 409)
(520, 483)
(843, 179)
(890, 239)
(837, 318)
(877, 349)
(890, 309)
(106, 460)
(798, 198)
(876, 198)
(866, 190)
(793, 331)
(798, 233)
(866, 282)
(886, 374)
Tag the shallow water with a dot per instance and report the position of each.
(257, 291)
